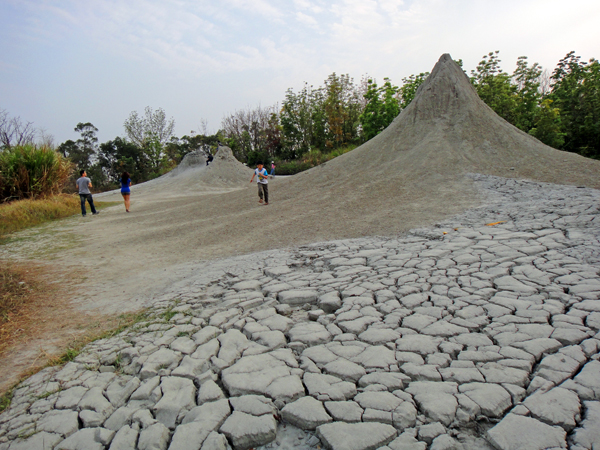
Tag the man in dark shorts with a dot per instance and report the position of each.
(84, 184)
(262, 181)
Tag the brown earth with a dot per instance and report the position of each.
(411, 175)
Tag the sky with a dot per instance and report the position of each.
(68, 61)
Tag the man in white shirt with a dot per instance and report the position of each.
(263, 182)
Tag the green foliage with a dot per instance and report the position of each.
(81, 152)
(118, 156)
(381, 108)
(151, 133)
(310, 160)
(409, 88)
(292, 167)
(494, 87)
(568, 117)
(168, 314)
(6, 399)
(528, 94)
(576, 93)
(152, 127)
(301, 115)
(30, 171)
(548, 125)
(251, 130)
(342, 107)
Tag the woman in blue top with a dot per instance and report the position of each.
(125, 190)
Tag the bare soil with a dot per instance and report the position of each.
(411, 175)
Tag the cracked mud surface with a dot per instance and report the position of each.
(457, 336)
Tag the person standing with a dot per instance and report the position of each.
(272, 169)
(126, 189)
(84, 184)
(262, 181)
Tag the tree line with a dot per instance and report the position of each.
(562, 109)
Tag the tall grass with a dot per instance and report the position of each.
(31, 171)
(22, 214)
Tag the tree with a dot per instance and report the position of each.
(151, 133)
(246, 131)
(118, 156)
(83, 151)
(409, 88)
(15, 132)
(301, 114)
(342, 108)
(527, 81)
(153, 126)
(381, 108)
(576, 93)
(494, 86)
(548, 125)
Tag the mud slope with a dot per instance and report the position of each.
(411, 175)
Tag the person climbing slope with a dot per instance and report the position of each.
(262, 181)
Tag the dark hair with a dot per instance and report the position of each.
(81, 172)
(125, 177)
(259, 163)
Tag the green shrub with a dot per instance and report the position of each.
(292, 167)
(309, 160)
(31, 171)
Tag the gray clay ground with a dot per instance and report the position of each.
(458, 336)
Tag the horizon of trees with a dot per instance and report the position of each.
(561, 109)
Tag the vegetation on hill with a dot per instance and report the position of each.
(313, 124)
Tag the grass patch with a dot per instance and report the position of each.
(168, 314)
(6, 398)
(22, 214)
(48, 394)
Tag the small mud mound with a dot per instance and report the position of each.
(193, 159)
(226, 170)
(192, 176)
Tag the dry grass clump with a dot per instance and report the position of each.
(15, 290)
(22, 214)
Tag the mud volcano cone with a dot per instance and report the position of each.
(448, 130)
(449, 125)
(415, 171)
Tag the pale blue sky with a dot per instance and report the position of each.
(69, 61)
